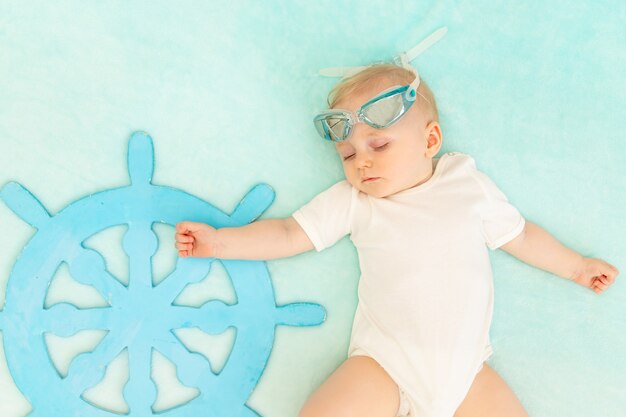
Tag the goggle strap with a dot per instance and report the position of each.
(403, 59)
(430, 40)
(411, 92)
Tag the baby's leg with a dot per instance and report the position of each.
(490, 396)
(359, 387)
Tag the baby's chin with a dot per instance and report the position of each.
(378, 189)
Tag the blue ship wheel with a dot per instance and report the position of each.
(140, 316)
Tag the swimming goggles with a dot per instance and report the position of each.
(381, 111)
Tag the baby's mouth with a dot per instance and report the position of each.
(370, 179)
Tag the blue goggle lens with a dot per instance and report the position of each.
(385, 111)
(380, 112)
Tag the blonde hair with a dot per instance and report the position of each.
(375, 74)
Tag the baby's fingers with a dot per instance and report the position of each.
(600, 284)
(595, 286)
(188, 227)
(608, 270)
(183, 238)
(184, 247)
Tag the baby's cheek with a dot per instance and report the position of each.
(353, 179)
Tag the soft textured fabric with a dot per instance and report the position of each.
(425, 292)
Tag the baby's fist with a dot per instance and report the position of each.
(196, 240)
(595, 274)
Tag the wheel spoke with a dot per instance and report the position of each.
(213, 317)
(140, 243)
(192, 369)
(88, 267)
(140, 391)
(24, 204)
(66, 320)
(253, 204)
(188, 271)
(88, 368)
(300, 314)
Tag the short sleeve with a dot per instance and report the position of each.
(501, 221)
(327, 217)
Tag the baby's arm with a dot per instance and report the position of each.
(537, 247)
(260, 240)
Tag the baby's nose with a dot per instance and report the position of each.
(363, 158)
(364, 161)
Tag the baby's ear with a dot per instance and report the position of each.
(434, 139)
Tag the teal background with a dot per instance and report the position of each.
(534, 91)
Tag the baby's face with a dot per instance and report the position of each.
(382, 162)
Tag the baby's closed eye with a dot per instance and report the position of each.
(379, 144)
(349, 152)
(346, 151)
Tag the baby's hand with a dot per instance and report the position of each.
(595, 274)
(195, 239)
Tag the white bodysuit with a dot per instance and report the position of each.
(425, 295)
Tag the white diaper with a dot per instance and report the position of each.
(406, 408)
